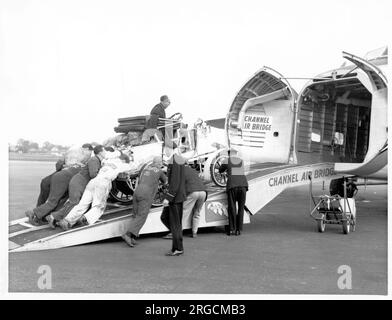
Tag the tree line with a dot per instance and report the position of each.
(27, 146)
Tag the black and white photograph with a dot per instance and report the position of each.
(194, 149)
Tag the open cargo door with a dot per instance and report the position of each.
(375, 74)
(260, 122)
(376, 157)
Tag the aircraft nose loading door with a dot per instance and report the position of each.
(342, 117)
(376, 156)
(378, 85)
(260, 122)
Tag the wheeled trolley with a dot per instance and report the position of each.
(335, 210)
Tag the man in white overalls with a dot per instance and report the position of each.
(97, 192)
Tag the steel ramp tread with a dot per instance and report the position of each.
(22, 235)
(45, 231)
(16, 228)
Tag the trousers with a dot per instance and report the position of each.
(172, 217)
(58, 191)
(44, 190)
(236, 196)
(141, 207)
(76, 187)
(96, 195)
(192, 207)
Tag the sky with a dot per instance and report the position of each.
(70, 69)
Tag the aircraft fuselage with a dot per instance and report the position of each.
(340, 116)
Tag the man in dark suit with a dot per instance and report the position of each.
(152, 123)
(196, 192)
(158, 112)
(173, 203)
(236, 188)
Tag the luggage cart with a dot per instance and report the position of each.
(334, 210)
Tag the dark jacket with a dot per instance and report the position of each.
(193, 182)
(60, 164)
(235, 173)
(176, 176)
(91, 170)
(157, 112)
(149, 181)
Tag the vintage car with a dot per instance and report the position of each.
(202, 146)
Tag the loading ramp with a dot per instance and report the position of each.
(265, 183)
